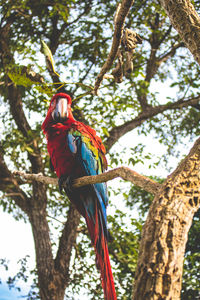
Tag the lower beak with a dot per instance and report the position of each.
(60, 114)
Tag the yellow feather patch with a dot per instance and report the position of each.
(94, 150)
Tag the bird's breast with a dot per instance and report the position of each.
(64, 162)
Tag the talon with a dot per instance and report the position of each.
(60, 183)
(66, 182)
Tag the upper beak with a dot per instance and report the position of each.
(60, 114)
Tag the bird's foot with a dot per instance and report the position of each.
(66, 182)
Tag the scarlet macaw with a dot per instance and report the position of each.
(75, 151)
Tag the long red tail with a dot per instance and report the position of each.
(106, 274)
(99, 241)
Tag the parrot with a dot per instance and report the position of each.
(75, 151)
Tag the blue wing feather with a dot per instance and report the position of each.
(91, 167)
(90, 164)
(71, 141)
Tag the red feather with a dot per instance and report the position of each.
(65, 163)
(102, 256)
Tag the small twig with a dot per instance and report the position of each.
(122, 12)
(125, 173)
(12, 195)
(55, 219)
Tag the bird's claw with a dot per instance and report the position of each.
(66, 182)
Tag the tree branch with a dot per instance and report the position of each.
(10, 186)
(119, 23)
(170, 53)
(125, 173)
(121, 130)
(155, 62)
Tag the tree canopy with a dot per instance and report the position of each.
(159, 99)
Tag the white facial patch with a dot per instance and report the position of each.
(62, 107)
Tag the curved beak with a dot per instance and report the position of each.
(60, 113)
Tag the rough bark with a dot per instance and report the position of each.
(165, 232)
(44, 257)
(186, 21)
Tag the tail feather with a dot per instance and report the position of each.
(99, 240)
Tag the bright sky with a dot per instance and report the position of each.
(16, 243)
(6, 294)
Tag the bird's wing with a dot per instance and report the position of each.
(91, 160)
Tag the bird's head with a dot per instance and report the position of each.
(60, 107)
(59, 111)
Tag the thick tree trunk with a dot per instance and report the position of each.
(49, 283)
(165, 232)
(186, 21)
(53, 274)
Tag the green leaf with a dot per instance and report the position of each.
(105, 131)
(19, 77)
(49, 57)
